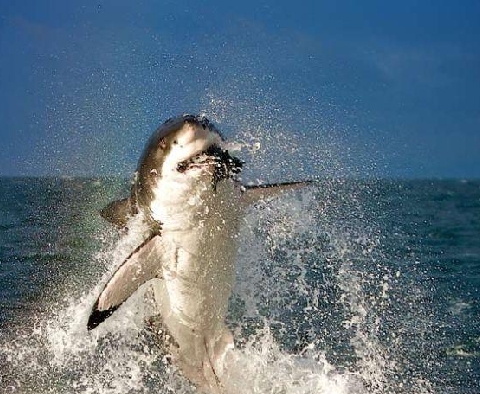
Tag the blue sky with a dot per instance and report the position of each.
(345, 88)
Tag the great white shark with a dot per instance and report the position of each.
(188, 193)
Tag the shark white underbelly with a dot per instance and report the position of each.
(197, 276)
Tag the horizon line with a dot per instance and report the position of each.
(316, 178)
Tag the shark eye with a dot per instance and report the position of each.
(162, 144)
(175, 142)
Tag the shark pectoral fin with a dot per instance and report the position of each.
(118, 212)
(138, 268)
(254, 193)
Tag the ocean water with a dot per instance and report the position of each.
(345, 287)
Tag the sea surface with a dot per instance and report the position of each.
(344, 287)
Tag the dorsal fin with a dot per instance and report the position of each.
(254, 193)
(118, 212)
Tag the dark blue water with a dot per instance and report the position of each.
(379, 280)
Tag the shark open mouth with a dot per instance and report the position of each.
(222, 164)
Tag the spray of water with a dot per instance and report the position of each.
(306, 312)
(310, 301)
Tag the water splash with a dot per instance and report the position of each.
(311, 313)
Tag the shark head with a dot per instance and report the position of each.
(189, 145)
(187, 148)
